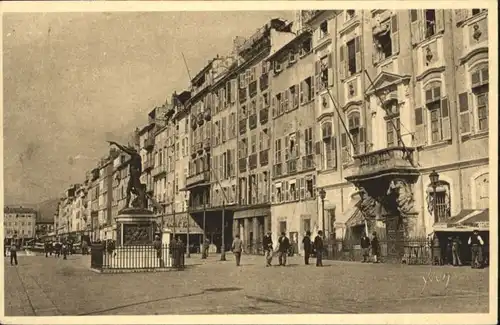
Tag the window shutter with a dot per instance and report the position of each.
(342, 62)
(330, 70)
(395, 34)
(301, 188)
(233, 90)
(297, 144)
(357, 49)
(465, 113)
(461, 15)
(334, 151)
(314, 186)
(273, 190)
(345, 148)
(248, 74)
(317, 72)
(302, 88)
(439, 20)
(242, 80)
(420, 138)
(296, 96)
(273, 106)
(287, 148)
(260, 104)
(362, 140)
(223, 129)
(311, 90)
(287, 100)
(416, 26)
(446, 121)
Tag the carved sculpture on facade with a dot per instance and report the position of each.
(404, 195)
(477, 33)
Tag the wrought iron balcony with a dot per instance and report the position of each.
(388, 161)
(252, 121)
(264, 115)
(149, 143)
(264, 157)
(200, 178)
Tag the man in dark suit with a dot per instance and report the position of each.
(319, 247)
(306, 242)
(284, 246)
(267, 244)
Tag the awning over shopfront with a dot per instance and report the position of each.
(181, 224)
(466, 220)
(250, 213)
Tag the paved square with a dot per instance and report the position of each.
(50, 286)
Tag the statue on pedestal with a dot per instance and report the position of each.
(134, 185)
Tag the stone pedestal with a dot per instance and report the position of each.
(135, 227)
(165, 242)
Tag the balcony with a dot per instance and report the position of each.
(243, 126)
(252, 88)
(207, 144)
(308, 162)
(199, 147)
(159, 170)
(242, 164)
(197, 179)
(264, 81)
(291, 166)
(393, 162)
(264, 115)
(148, 165)
(252, 161)
(252, 121)
(264, 157)
(149, 143)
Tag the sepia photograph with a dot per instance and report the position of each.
(260, 161)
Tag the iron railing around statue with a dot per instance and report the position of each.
(416, 251)
(108, 258)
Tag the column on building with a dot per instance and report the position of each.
(255, 230)
(246, 234)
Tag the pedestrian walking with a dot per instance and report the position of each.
(319, 248)
(365, 247)
(306, 243)
(449, 251)
(455, 249)
(476, 245)
(283, 247)
(237, 248)
(46, 247)
(267, 243)
(206, 245)
(375, 247)
(65, 249)
(157, 247)
(13, 251)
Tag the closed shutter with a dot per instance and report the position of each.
(445, 121)
(342, 63)
(301, 92)
(330, 70)
(334, 151)
(439, 20)
(311, 90)
(357, 49)
(273, 106)
(233, 91)
(420, 138)
(296, 96)
(314, 186)
(287, 100)
(242, 80)
(395, 34)
(317, 72)
(346, 151)
(223, 129)
(297, 144)
(416, 26)
(465, 113)
(273, 190)
(302, 191)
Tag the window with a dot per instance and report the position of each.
(308, 141)
(277, 151)
(243, 111)
(351, 56)
(350, 13)
(307, 90)
(393, 124)
(438, 202)
(482, 110)
(279, 102)
(356, 132)
(294, 96)
(265, 100)
(437, 106)
(323, 29)
(311, 187)
(480, 90)
(305, 47)
(331, 153)
(482, 191)
(386, 41)
(253, 143)
(430, 22)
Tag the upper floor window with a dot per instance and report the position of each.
(393, 124)
(349, 14)
(352, 143)
(474, 107)
(438, 112)
(386, 41)
(438, 201)
(425, 23)
(350, 58)
(323, 29)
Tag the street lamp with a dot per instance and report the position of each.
(434, 178)
(322, 195)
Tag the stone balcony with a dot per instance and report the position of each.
(393, 162)
(198, 179)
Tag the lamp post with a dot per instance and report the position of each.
(222, 248)
(322, 195)
(434, 178)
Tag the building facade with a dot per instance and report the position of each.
(405, 112)
(294, 208)
(19, 221)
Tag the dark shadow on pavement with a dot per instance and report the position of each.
(222, 289)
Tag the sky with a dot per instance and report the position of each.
(74, 80)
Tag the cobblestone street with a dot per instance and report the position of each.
(41, 286)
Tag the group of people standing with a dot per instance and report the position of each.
(283, 248)
(451, 253)
(58, 247)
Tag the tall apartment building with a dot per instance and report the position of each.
(119, 183)
(293, 191)
(253, 214)
(398, 84)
